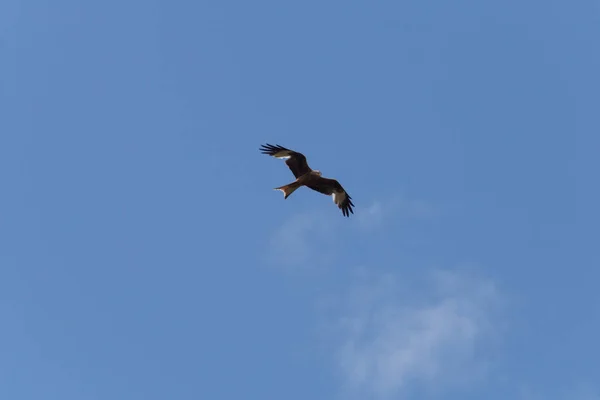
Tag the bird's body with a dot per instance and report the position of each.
(313, 179)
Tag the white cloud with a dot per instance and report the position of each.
(394, 206)
(393, 338)
(371, 216)
(573, 392)
(389, 336)
(302, 242)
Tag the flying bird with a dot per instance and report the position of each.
(305, 176)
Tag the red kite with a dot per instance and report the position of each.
(305, 176)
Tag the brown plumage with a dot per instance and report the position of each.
(305, 176)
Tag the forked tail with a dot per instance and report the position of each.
(288, 189)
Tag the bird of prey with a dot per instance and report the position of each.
(305, 176)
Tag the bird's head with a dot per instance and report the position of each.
(316, 172)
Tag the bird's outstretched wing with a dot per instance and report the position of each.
(294, 160)
(332, 188)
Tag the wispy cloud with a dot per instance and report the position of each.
(390, 336)
(573, 392)
(392, 207)
(303, 241)
(393, 337)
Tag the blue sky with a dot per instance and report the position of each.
(144, 254)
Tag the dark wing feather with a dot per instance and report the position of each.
(329, 187)
(296, 161)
